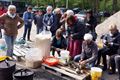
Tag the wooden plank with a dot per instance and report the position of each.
(20, 52)
(67, 69)
(16, 53)
(62, 71)
(22, 49)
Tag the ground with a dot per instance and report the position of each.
(41, 74)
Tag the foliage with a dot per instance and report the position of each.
(83, 4)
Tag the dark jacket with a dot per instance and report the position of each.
(57, 22)
(49, 20)
(62, 44)
(92, 23)
(112, 42)
(89, 52)
(77, 30)
(38, 20)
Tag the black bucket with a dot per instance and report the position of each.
(23, 74)
(7, 68)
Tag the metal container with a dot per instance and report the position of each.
(23, 74)
(7, 68)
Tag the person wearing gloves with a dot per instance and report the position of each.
(111, 45)
(49, 21)
(89, 51)
(11, 27)
(28, 18)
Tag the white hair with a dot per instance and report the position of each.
(49, 7)
(69, 13)
(11, 7)
(88, 36)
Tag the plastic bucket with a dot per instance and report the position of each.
(96, 73)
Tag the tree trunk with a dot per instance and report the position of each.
(83, 4)
(97, 6)
(114, 6)
(54, 5)
(105, 1)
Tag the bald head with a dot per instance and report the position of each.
(113, 28)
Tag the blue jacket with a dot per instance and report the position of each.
(26, 18)
(49, 21)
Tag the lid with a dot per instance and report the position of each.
(6, 64)
(23, 73)
(2, 58)
(96, 69)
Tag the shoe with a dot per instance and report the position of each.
(30, 40)
(104, 68)
(111, 72)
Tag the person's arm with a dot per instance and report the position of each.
(53, 42)
(25, 17)
(116, 42)
(54, 24)
(83, 52)
(2, 17)
(64, 43)
(32, 17)
(94, 55)
(45, 24)
(21, 22)
(35, 20)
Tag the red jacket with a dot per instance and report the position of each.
(1, 13)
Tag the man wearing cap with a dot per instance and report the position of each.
(89, 51)
(111, 45)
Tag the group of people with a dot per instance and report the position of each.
(67, 33)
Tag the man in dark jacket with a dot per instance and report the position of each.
(49, 21)
(111, 46)
(58, 15)
(38, 20)
(91, 21)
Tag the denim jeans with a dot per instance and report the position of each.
(89, 65)
(27, 29)
(10, 44)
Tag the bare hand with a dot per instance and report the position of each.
(83, 62)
